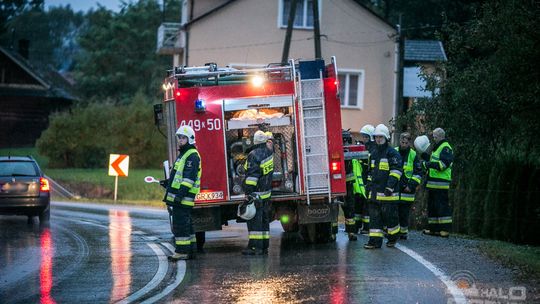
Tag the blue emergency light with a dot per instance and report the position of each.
(200, 105)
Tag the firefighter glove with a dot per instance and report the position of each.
(163, 183)
(388, 191)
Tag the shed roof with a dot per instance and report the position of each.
(424, 50)
(55, 84)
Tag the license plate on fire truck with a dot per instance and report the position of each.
(209, 196)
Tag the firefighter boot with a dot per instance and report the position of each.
(444, 234)
(352, 236)
(254, 251)
(391, 243)
(373, 243)
(429, 232)
(179, 256)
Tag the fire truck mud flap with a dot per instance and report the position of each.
(317, 213)
(206, 219)
(315, 222)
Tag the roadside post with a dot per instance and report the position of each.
(118, 166)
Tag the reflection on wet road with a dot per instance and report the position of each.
(120, 245)
(45, 269)
(110, 254)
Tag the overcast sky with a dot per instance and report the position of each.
(85, 5)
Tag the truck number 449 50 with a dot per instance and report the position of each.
(210, 124)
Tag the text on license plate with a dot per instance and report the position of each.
(209, 196)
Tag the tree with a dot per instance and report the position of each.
(119, 51)
(51, 34)
(10, 9)
(423, 19)
(489, 105)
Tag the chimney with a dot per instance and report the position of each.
(24, 47)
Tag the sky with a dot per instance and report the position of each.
(85, 5)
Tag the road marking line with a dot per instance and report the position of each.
(180, 274)
(158, 277)
(456, 293)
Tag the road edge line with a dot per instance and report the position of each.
(156, 280)
(180, 274)
(456, 293)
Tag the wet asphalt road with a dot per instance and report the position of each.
(106, 254)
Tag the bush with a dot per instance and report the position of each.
(84, 137)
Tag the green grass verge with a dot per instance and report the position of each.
(42, 160)
(96, 184)
(526, 258)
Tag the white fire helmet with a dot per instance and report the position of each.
(246, 210)
(382, 130)
(188, 132)
(259, 137)
(421, 143)
(368, 130)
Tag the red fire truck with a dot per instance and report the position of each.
(299, 103)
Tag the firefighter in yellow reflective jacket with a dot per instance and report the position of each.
(352, 188)
(361, 207)
(384, 174)
(182, 187)
(411, 178)
(258, 185)
(439, 167)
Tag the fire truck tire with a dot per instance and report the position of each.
(308, 233)
(324, 233)
(317, 233)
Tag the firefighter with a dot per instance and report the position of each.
(409, 181)
(258, 186)
(352, 168)
(182, 187)
(384, 174)
(361, 206)
(366, 137)
(439, 176)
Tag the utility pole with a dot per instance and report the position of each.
(288, 35)
(400, 56)
(316, 29)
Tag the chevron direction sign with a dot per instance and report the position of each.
(118, 165)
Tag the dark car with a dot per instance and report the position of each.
(24, 190)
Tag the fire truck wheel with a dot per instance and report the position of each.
(324, 232)
(317, 233)
(308, 233)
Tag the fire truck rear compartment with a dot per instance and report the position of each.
(239, 141)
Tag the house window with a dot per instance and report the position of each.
(351, 88)
(304, 13)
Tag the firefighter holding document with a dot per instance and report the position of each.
(182, 187)
(384, 173)
(258, 188)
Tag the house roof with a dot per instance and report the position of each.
(55, 85)
(208, 13)
(219, 7)
(424, 50)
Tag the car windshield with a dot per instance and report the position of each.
(17, 169)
